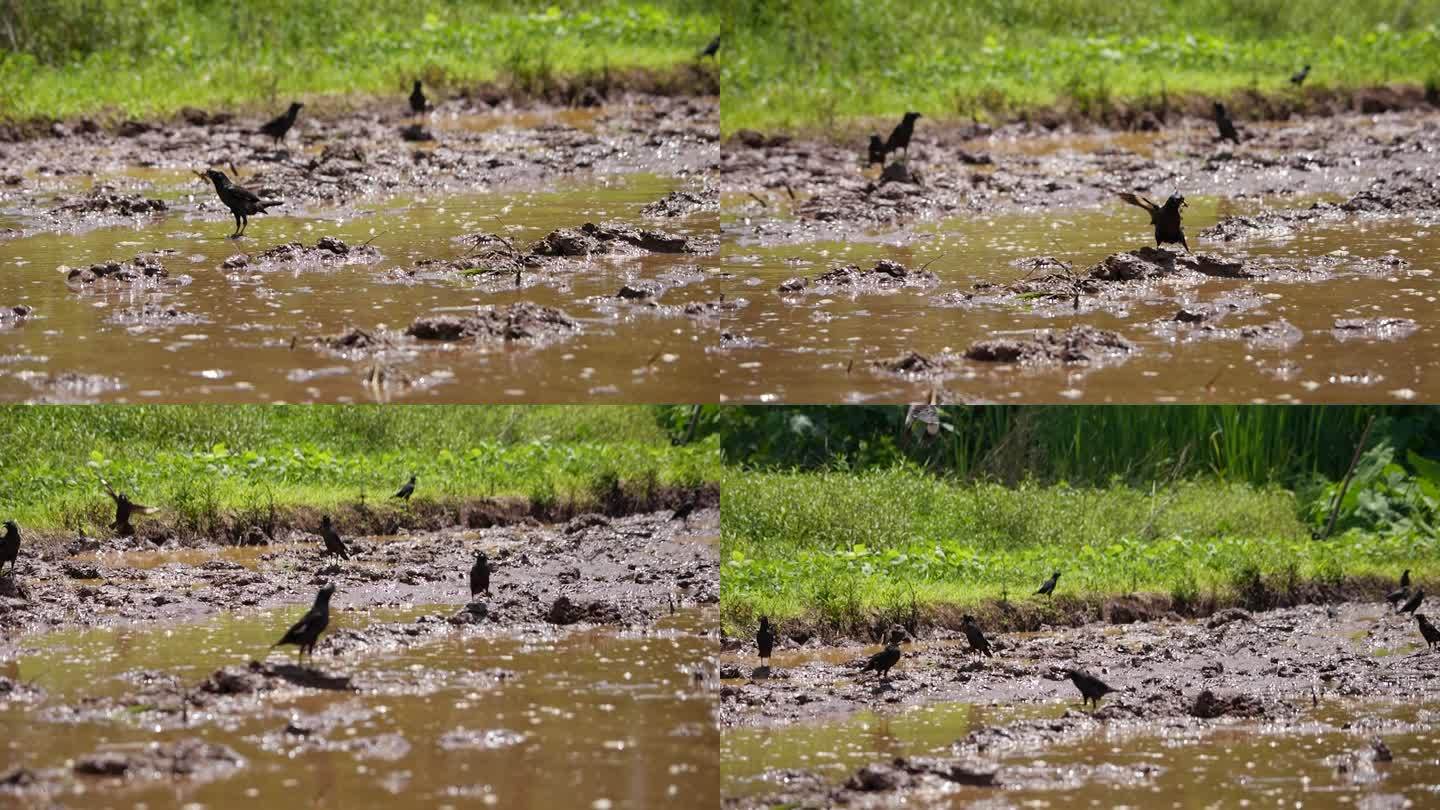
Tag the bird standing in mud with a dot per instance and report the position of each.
(242, 202)
(1165, 218)
(279, 127)
(900, 136)
(683, 511)
(711, 49)
(333, 543)
(1299, 78)
(1413, 603)
(406, 491)
(418, 102)
(765, 640)
(124, 510)
(1091, 688)
(1048, 586)
(881, 662)
(1225, 124)
(480, 576)
(306, 632)
(877, 152)
(976, 637)
(10, 546)
(1427, 630)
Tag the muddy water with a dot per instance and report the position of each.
(579, 719)
(1234, 764)
(242, 352)
(817, 348)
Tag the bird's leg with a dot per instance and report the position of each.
(244, 223)
(237, 227)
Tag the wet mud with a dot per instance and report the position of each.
(591, 626)
(516, 207)
(798, 731)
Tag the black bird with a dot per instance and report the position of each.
(1299, 78)
(333, 543)
(242, 202)
(1166, 218)
(1048, 586)
(765, 640)
(278, 127)
(1431, 635)
(1091, 688)
(881, 662)
(480, 575)
(978, 642)
(1395, 597)
(417, 99)
(306, 632)
(1226, 126)
(10, 546)
(877, 152)
(124, 510)
(711, 49)
(1405, 578)
(900, 136)
(682, 512)
(1413, 603)
(407, 490)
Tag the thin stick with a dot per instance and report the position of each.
(1345, 483)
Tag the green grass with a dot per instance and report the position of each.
(197, 461)
(837, 549)
(822, 63)
(61, 58)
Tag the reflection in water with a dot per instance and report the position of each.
(819, 348)
(242, 350)
(582, 719)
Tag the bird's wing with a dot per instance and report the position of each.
(109, 490)
(244, 194)
(1137, 200)
(144, 510)
(300, 629)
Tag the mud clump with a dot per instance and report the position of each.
(1270, 224)
(328, 251)
(11, 317)
(885, 276)
(145, 269)
(566, 611)
(614, 239)
(519, 322)
(1149, 263)
(1208, 705)
(1079, 344)
(1399, 194)
(154, 315)
(1373, 328)
(105, 201)
(681, 203)
(191, 758)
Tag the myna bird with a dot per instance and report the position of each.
(1048, 586)
(1091, 688)
(765, 640)
(10, 546)
(480, 576)
(418, 103)
(900, 136)
(1225, 124)
(124, 510)
(1299, 78)
(1413, 603)
(278, 127)
(406, 491)
(1165, 218)
(333, 544)
(976, 637)
(712, 49)
(306, 632)
(1427, 630)
(877, 152)
(242, 202)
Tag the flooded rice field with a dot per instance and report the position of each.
(538, 256)
(1008, 268)
(1328, 706)
(586, 678)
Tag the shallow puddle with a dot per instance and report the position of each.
(819, 348)
(577, 719)
(249, 343)
(1231, 765)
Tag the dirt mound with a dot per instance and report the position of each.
(565, 610)
(885, 276)
(190, 758)
(103, 200)
(615, 239)
(143, 270)
(328, 251)
(681, 203)
(519, 322)
(1079, 344)
(14, 316)
(1373, 328)
(154, 315)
